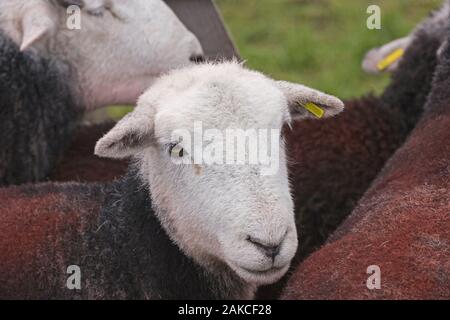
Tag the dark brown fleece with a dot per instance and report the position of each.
(79, 162)
(335, 160)
(111, 232)
(402, 223)
(41, 234)
(38, 113)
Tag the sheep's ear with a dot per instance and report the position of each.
(132, 134)
(385, 58)
(38, 20)
(305, 102)
(442, 50)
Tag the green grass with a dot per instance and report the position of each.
(319, 43)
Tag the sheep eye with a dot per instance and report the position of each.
(99, 13)
(176, 151)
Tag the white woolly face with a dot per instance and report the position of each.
(119, 49)
(226, 212)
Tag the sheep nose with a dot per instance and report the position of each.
(270, 250)
(197, 58)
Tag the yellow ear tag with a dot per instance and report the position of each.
(314, 109)
(390, 59)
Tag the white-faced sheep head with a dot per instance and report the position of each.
(120, 48)
(226, 212)
(388, 57)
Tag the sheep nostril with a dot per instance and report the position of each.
(270, 250)
(197, 58)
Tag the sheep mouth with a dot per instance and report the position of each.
(261, 277)
(269, 271)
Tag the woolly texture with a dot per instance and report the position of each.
(334, 161)
(402, 223)
(110, 232)
(79, 162)
(38, 113)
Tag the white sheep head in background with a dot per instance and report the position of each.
(388, 57)
(218, 213)
(373, 58)
(119, 50)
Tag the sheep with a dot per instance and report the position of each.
(335, 162)
(50, 74)
(173, 227)
(375, 60)
(399, 232)
(89, 168)
(353, 148)
(370, 130)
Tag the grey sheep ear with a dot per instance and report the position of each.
(132, 134)
(37, 22)
(306, 102)
(387, 57)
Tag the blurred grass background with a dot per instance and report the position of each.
(319, 43)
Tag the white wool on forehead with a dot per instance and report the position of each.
(213, 92)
